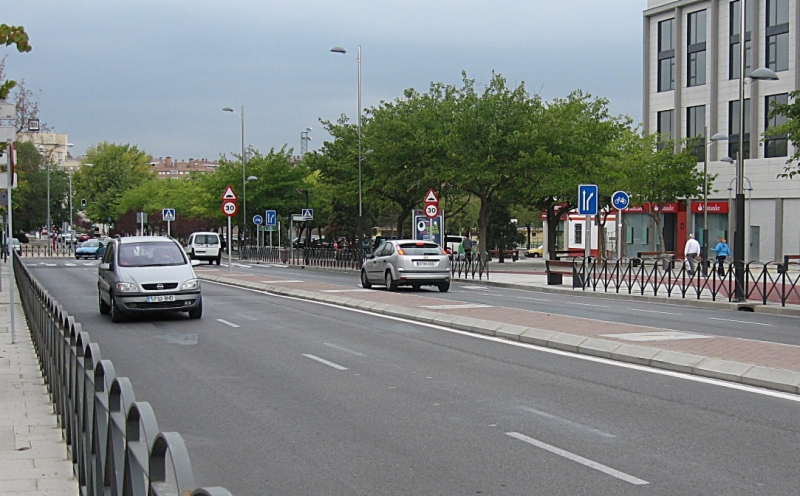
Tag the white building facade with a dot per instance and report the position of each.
(691, 86)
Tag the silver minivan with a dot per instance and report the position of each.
(144, 274)
(407, 262)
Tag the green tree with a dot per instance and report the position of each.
(13, 35)
(114, 170)
(790, 129)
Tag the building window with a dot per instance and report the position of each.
(733, 128)
(775, 146)
(696, 49)
(665, 119)
(735, 27)
(579, 233)
(778, 35)
(666, 55)
(695, 127)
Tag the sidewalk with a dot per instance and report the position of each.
(33, 454)
(757, 363)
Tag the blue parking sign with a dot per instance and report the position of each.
(271, 218)
(587, 199)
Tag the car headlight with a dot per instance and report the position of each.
(191, 284)
(126, 287)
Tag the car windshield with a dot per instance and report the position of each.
(90, 244)
(420, 249)
(150, 254)
(206, 239)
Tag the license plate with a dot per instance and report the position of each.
(425, 264)
(160, 298)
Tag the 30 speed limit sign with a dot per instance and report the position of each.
(431, 210)
(230, 208)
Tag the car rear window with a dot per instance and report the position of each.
(420, 249)
(150, 254)
(206, 239)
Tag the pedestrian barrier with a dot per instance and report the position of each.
(115, 444)
(770, 282)
(469, 267)
(45, 250)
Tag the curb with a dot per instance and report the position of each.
(714, 368)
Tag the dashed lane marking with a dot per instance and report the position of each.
(227, 323)
(323, 361)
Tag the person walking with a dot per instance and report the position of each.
(691, 251)
(723, 251)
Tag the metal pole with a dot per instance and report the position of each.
(360, 212)
(244, 185)
(10, 247)
(621, 232)
(168, 231)
(229, 244)
(738, 235)
(70, 200)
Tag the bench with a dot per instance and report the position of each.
(556, 270)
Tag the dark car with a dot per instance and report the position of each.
(146, 274)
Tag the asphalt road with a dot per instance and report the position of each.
(281, 396)
(672, 316)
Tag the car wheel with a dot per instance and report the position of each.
(390, 284)
(444, 287)
(196, 312)
(364, 280)
(104, 308)
(219, 258)
(116, 315)
(77, 257)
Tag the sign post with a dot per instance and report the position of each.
(258, 220)
(432, 210)
(620, 200)
(587, 205)
(271, 220)
(230, 207)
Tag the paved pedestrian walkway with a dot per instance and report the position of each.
(748, 361)
(33, 454)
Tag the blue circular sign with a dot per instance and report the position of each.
(258, 220)
(620, 200)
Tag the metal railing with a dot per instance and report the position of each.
(770, 282)
(115, 444)
(45, 250)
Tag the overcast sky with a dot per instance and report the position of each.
(156, 74)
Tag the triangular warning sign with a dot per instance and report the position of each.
(229, 194)
(431, 198)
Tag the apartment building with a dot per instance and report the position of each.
(691, 87)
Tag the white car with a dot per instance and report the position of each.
(205, 246)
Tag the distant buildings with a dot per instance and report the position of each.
(167, 168)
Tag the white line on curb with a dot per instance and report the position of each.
(227, 323)
(579, 459)
(323, 361)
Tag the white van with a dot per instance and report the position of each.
(205, 246)
(452, 242)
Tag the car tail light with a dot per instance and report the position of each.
(400, 251)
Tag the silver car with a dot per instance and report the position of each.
(144, 274)
(407, 262)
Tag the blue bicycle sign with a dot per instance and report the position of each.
(620, 200)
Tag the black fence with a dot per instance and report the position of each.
(465, 268)
(44, 250)
(114, 440)
(770, 282)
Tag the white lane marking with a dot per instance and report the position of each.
(322, 360)
(456, 306)
(552, 351)
(342, 348)
(240, 265)
(362, 290)
(579, 459)
(741, 321)
(90, 264)
(589, 305)
(657, 336)
(567, 421)
(653, 311)
(227, 323)
(287, 281)
(248, 317)
(69, 264)
(278, 266)
(49, 264)
(534, 299)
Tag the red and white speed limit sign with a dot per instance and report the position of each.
(431, 210)
(230, 208)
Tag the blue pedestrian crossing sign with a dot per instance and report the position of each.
(168, 214)
(620, 200)
(587, 199)
(308, 214)
(271, 218)
(258, 220)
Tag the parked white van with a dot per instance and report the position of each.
(205, 246)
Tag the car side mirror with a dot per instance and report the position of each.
(104, 266)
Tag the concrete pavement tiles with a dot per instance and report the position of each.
(33, 454)
(759, 363)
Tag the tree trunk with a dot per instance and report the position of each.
(552, 223)
(483, 221)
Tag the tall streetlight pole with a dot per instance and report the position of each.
(360, 243)
(48, 224)
(244, 164)
(738, 234)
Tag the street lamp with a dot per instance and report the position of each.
(716, 137)
(69, 145)
(244, 162)
(738, 234)
(304, 139)
(338, 49)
